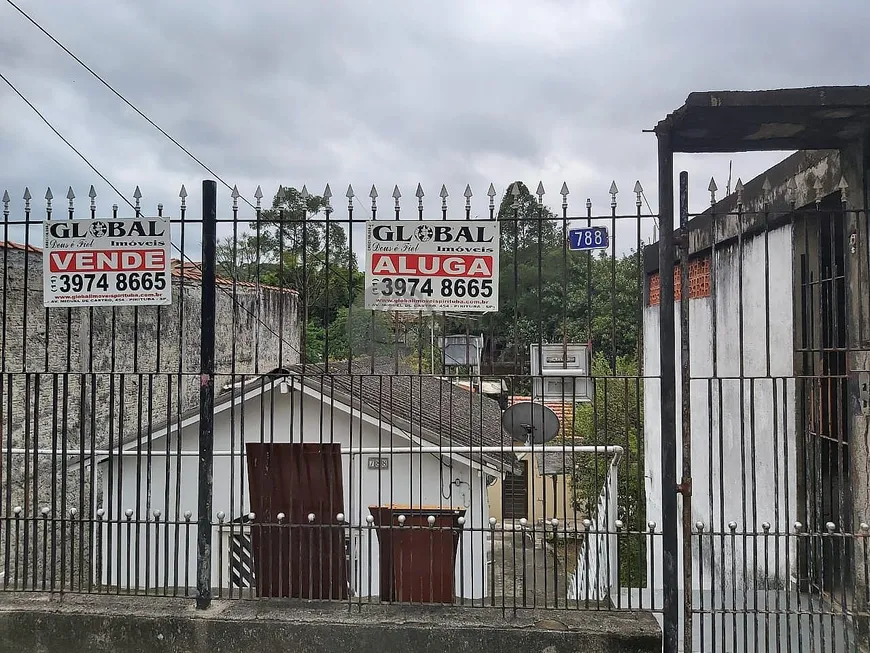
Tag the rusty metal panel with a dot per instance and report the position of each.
(418, 558)
(295, 557)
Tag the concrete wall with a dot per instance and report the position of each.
(743, 454)
(85, 378)
(101, 624)
(284, 417)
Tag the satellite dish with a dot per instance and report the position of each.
(530, 423)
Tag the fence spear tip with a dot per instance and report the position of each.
(443, 194)
(349, 193)
(92, 193)
(235, 193)
(304, 194)
(327, 193)
(739, 185)
(765, 185)
(137, 194)
(540, 189)
(70, 195)
(637, 187)
(420, 192)
(6, 196)
(373, 193)
(48, 194)
(843, 185)
(468, 192)
(712, 187)
(515, 189)
(183, 192)
(564, 190)
(27, 195)
(613, 189)
(396, 192)
(491, 191)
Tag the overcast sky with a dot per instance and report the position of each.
(395, 92)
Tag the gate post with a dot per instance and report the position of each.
(206, 395)
(685, 487)
(667, 362)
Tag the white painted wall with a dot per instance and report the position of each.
(412, 479)
(735, 447)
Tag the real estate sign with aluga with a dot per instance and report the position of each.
(107, 262)
(433, 265)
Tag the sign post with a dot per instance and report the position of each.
(107, 262)
(432, 266)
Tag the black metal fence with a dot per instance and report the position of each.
(266, 435)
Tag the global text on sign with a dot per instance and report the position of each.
(107, 262)
(432, 266)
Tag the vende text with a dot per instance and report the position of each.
(108, 261)
(432, 265)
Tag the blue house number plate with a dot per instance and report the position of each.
(588, 238)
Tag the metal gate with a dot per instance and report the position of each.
(771, 350)
(125, 428)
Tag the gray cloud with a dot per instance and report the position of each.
(391, 92)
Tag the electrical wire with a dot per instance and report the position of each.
(123, 197)
(122, 98)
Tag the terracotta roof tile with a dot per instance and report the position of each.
(8, 244)
(191, 271)
(565, 413)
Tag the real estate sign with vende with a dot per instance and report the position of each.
(107, 262)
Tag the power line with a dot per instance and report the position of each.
(61, 137)
(123, 197)
(123, 99)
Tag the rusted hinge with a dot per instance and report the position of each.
(685, 488)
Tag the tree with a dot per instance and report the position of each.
(547, 293)
(296, 244)
(615, 417)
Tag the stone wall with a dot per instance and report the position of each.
(84, 378)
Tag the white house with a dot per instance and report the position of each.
(372, 409)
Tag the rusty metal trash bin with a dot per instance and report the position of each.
(417, 560)
(297, 558)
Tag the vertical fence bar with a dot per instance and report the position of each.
(206, 394)
(670, 521)
(686, 413)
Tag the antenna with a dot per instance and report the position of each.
(530, 423)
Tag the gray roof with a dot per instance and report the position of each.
(437, 411)
(427, 406)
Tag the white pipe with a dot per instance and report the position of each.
(615, 450)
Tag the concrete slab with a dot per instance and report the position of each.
(94, 623)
